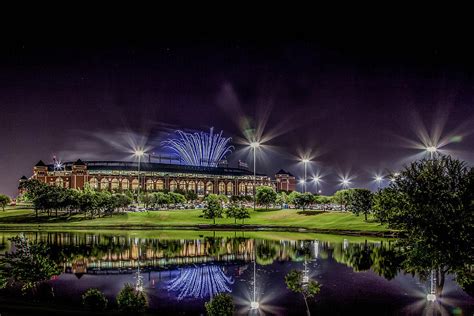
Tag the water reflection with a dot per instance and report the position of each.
(200, 282)
(193, 269)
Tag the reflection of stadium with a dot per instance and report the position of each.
(121, 176)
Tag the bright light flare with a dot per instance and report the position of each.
(254, 305)
(139, 152)
(254, 144)
(305, 160)
(431, 149)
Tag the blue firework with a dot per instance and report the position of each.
(200, 148)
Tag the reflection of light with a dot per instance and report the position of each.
(254, 144)
(431, 149)
(431, 297)
(200, 282)
(254, 305)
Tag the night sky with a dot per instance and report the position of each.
(348, 101)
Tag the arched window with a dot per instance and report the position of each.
(173, 185)
(230, 188)
(182, 185)
(221, 188)
(115, 184)
(209, 188)
(134, 184)
(104, 184)
(249, 188)
(160, 185)
(125, 184)
(59, 182)
(192, 186)
(200, 187)
(94, 183)
(242, 188)
(149, 185)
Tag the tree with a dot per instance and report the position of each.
(343, 197)
(281, 199)
(305, 200)
(265, 196)
(360, 202)
(431, 203)
(294, 282)
(94, 300)
(4, 201)
(161, 199)
(220, 305)
(430, 199)
(191, 196)
(131, 301)
(176, 198)
(29, 265)
(214, 207)
(293, 198)
(232, 211)
(242, 213)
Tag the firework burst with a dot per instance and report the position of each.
(200, 148)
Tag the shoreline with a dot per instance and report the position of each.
(207, 227)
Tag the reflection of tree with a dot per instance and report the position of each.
(295, 282)
(359, 256)
(267, 252)
(385, 261)
(200, 282)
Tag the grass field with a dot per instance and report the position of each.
(336, 221)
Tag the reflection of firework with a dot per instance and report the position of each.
(200, 282)
(200, 149)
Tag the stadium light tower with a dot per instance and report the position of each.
(139, 154)
(254, 146)
(305, 161)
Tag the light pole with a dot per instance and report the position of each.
(378, 179)
(139, 153)
(316, 180)
(432, 150)
(305, 161)
(254, 146)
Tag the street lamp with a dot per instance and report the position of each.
(254, 146)
(432, 150)
(378, 179)
(139, 153)
(345, 183)
(316, 180)
(305, 161)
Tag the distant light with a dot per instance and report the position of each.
(254, 305)
(431, 297)
(431, 149)
(378, 178)
(254, 144)
(139, 152)
(320, 191)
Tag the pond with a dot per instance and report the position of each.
(180, 270)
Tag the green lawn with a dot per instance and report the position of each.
(336, 221)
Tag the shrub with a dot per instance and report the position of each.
(220, 305)
(130, 300)
(94, 299)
